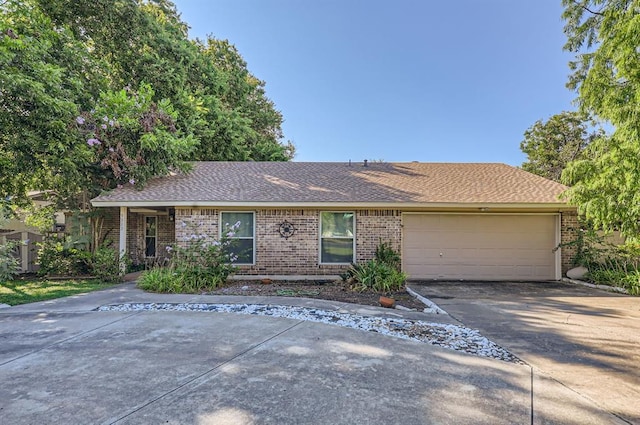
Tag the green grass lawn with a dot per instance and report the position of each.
(28, 290)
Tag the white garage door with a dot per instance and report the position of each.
(479, 247)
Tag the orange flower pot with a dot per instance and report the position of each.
(387, 302)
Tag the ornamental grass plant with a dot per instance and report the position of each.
(199, 264)
(381, 274)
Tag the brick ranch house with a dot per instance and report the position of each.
(479, 221)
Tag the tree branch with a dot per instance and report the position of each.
(593, 12)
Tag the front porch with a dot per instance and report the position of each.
(140, 234)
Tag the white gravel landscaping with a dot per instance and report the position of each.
(449, 336)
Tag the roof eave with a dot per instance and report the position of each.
(355, 205)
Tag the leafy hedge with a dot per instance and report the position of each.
(202, 265)
(59, 257)
(9, 264)
(629, 280)
(381, 274)
(608, 264)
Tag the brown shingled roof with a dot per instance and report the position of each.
(217, 183)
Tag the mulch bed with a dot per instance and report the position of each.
(334, 291)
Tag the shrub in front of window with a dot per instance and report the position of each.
(202, 265)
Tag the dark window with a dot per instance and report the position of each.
(150, 236)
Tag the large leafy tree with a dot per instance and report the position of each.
(208, 83)
(605, 36)
(249, 122)
(61, 60)
(550, 145)
(40, 90)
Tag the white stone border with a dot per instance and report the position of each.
(431, 306)
(453, 337)
(593, 285)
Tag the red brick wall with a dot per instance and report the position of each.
(298, 254)
(110, 227)
(569, 226)
(195, 221)
(374, 227)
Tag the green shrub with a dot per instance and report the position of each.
(105, 265)
(9, 264)
(57, 258)
(632, 283)
(387, 255)
(608, 264)
(377, 276)
(617, 265)
(203, 265)
(160, 280)
(382, 274)
(589, 246)
(630, 280)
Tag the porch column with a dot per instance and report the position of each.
(123, 236)
(558, 253)
(24, 251)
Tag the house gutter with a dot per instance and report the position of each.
(482, 206)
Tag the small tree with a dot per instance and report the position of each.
(9, 263)
(551, 145)
(603, 35)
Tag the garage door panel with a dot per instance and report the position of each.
(417, 253)
(539, 238)
(448, 270)
(483, 247)
(465, 272)
(534, 257)
(491, 227)
(425, 242)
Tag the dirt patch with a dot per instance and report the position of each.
(334, 291)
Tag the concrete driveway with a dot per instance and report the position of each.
(586, 339)
(62, 362)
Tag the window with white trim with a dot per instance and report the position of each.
(337, 242)
(150, 236)
(239, 228)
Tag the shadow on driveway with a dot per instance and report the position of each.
(63, 362)
(587, 339)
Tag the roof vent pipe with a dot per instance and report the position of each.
(365, 163)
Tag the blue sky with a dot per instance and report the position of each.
(405, 80)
